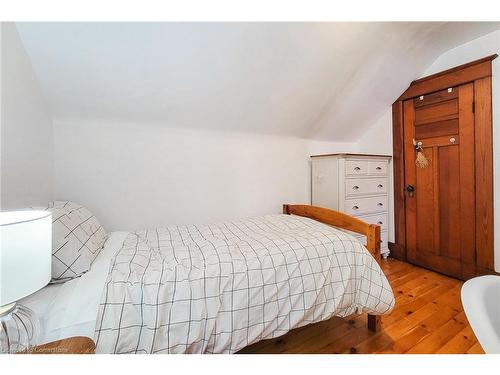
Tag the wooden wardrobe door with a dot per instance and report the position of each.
(440, 213)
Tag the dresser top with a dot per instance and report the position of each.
(346, 155)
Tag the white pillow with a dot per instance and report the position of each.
(77, 239)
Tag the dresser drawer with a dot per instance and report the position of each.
(356, 167)
(365, 186)
(377, 168)
(361, 206)
(379, 219)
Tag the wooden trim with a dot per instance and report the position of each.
(484, 173)
(449, 78)
(341, 220)
(410, 175)
(443, 140)
(467, 179)
(349, 154)
(399, 181)
(456, 68)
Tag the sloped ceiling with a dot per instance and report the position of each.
(316, 80)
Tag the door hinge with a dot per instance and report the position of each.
(473, 107)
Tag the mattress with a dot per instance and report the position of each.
(70, 309)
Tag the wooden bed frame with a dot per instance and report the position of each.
(341, 220)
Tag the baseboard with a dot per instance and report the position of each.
(397, 251)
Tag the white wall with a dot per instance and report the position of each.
(26, 129)
(378, 140)
(135, 175)
(476, 49)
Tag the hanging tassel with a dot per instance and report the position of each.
(421, 160)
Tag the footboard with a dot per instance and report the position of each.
(343, 221)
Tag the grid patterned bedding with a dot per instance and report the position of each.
(218, 288)
(77, 239)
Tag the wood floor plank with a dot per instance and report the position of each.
(460, 343)
(441, 336)
(406, 342)
(324, 337)
(475, 349)
(391, 333)
(346, 344)
(404, 309)
(428, 318)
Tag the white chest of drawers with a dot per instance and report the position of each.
(356, 185)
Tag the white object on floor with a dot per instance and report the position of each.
(481, 301)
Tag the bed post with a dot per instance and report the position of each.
(373, 245)
(373, 241)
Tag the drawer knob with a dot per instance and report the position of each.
(380, 204)
(380, 186)
(357, 169)
(380, 223)
(355, 207)
(378, 168)
(355, 187)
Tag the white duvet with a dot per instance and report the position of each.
(218, 288)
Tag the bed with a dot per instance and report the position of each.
(220, 287)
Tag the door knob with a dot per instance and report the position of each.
(411, 190)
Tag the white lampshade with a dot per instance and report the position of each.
(25, 253)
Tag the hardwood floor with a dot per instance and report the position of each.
(428, 318)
